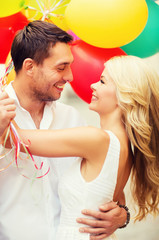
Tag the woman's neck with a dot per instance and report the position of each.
(112, 121)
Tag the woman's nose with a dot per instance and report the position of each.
(93, 86)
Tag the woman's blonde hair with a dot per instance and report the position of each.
(138, 94)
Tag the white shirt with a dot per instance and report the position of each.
(29, 210)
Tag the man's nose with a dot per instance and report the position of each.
(68, 75)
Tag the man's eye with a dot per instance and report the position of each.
(102, 81)
(61, 69)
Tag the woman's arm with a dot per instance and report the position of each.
(84, 142)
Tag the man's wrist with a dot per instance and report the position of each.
(128, 215)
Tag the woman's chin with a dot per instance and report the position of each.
(91, 107)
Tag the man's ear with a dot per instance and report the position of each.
(28, 66)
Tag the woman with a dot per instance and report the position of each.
(127, 101)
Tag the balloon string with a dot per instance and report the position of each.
(56, 5)
(7, 71)
(14, 136)
(40, 6)
(5, 154)
(45, 11)
(53, 3)
(17, 143)
(2, 85)
(11, 131)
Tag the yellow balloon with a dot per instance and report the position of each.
(47, 10)
(9, 7)
(107, 23)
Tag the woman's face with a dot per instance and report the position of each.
(104, 100)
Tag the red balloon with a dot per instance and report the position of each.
(6, 38)
(8, 27)
(88, 65)
(16, 21)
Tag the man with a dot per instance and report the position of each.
(29, 209)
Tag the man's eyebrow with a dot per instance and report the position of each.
(62, 63)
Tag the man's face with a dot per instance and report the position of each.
(50, 77)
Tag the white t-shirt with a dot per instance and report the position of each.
(29, 210)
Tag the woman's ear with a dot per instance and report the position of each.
(28, 66)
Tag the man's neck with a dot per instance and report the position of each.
(34, 107)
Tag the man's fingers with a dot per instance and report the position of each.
(3, 95)
(7, 108)
(92, 230)
(103, 223)
(7, 101)
(11, 114)
(10, 107)
(99, 237)
(7, 113)
(95, 233)
(108, 206)
(94, 214)
(93, 222)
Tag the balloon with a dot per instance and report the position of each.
(147, 43)
(75, 37)
(88, 65)
(16, 21)
(10, 77)
(47, 10)
(107, 23)
(6, 38)
(8, 27)
(9, 7)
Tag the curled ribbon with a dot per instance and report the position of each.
(47, 9)
(15, 139)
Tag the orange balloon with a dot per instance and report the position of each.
(10, 77)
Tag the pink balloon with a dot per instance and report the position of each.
(75, 37)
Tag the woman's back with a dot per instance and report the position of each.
(77, 194)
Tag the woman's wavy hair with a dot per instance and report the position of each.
(138, 93)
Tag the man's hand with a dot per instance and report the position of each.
(7, 111)
(107, 220)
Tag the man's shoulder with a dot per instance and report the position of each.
(66, 108)
(69, 114)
